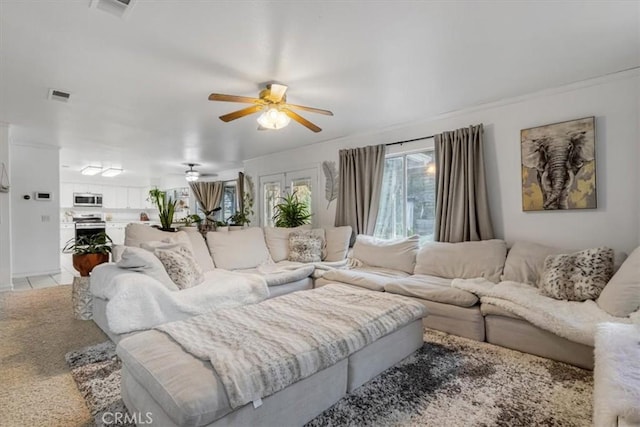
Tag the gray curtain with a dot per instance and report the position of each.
(208, 194)
(462, 207)
(360, 183)
(240, 193)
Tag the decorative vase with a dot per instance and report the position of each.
(84, 263)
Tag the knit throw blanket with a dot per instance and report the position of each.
(262, 348)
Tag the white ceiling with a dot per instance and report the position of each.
(139, 84)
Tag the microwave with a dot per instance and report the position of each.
(87, 199)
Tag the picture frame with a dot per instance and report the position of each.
(558, 166)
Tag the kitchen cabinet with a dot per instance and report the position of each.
(66, 194)
(109, 197)
(134, 198)
(67, 232)
(116, 232)
(122, 197)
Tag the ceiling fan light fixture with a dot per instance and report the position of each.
(273, 118)
(191, 175)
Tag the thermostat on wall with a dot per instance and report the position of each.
(39, 195)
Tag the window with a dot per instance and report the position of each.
(408, 196)
(229, 200)
(273, 187)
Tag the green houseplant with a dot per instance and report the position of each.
(291, 212)
(88, 251)
(166, 208)
(243, 217)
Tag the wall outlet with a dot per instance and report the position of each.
(45, 218)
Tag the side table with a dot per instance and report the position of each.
(82, 299)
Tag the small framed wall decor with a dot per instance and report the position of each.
(559, 166)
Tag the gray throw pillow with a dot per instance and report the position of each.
(305, 246)
(578, 276)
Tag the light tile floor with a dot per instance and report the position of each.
(65, 277)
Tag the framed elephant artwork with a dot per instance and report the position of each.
(559, 166)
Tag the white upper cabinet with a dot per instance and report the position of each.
(66, 195)
(134, 199)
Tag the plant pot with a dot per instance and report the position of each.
(84, 263)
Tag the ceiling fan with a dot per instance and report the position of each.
(276, 112)
(192, 175)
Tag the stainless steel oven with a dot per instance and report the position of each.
(87, 199)
(87, 225)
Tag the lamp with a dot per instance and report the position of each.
(273, 118)
(91, 170)
(191, 175)
(111, 172)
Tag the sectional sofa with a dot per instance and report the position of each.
(430, 274)
(251, 254)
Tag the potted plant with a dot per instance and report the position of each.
(243, 217)
(291, 212)
(89, 251)
(166, 208)
(189, 220)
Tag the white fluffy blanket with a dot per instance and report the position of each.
(616, 386)
(137, 302)
(575, 321)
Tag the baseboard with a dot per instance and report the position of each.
(36, 273)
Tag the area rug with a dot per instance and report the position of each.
(450, 381)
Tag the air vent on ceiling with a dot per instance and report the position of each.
(120, 8)
(59, 95)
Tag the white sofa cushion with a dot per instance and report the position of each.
(621, 296)
(199, 249)
(432, 288)
(143, 261)
(337, 242)
(464, 260)
(525, 261)
(238, 250)
(371, 278)
(277, 239)
(135, 234)
(399, 254)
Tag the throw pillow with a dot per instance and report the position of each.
(181, 266)
(145, 262)
(579, 276)
(305, 246)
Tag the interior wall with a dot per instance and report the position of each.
(613, 100)
(35, 225)
(5, 215)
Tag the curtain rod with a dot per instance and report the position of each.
(410, 140)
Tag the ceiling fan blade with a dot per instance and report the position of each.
(310, 109)
(241, 113)
(234, 98)
(277, 91)
(304, 122)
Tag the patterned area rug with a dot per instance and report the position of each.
(450, 381)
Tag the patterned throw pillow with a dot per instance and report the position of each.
(579, 276)
(305, 246)
(181, 266)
